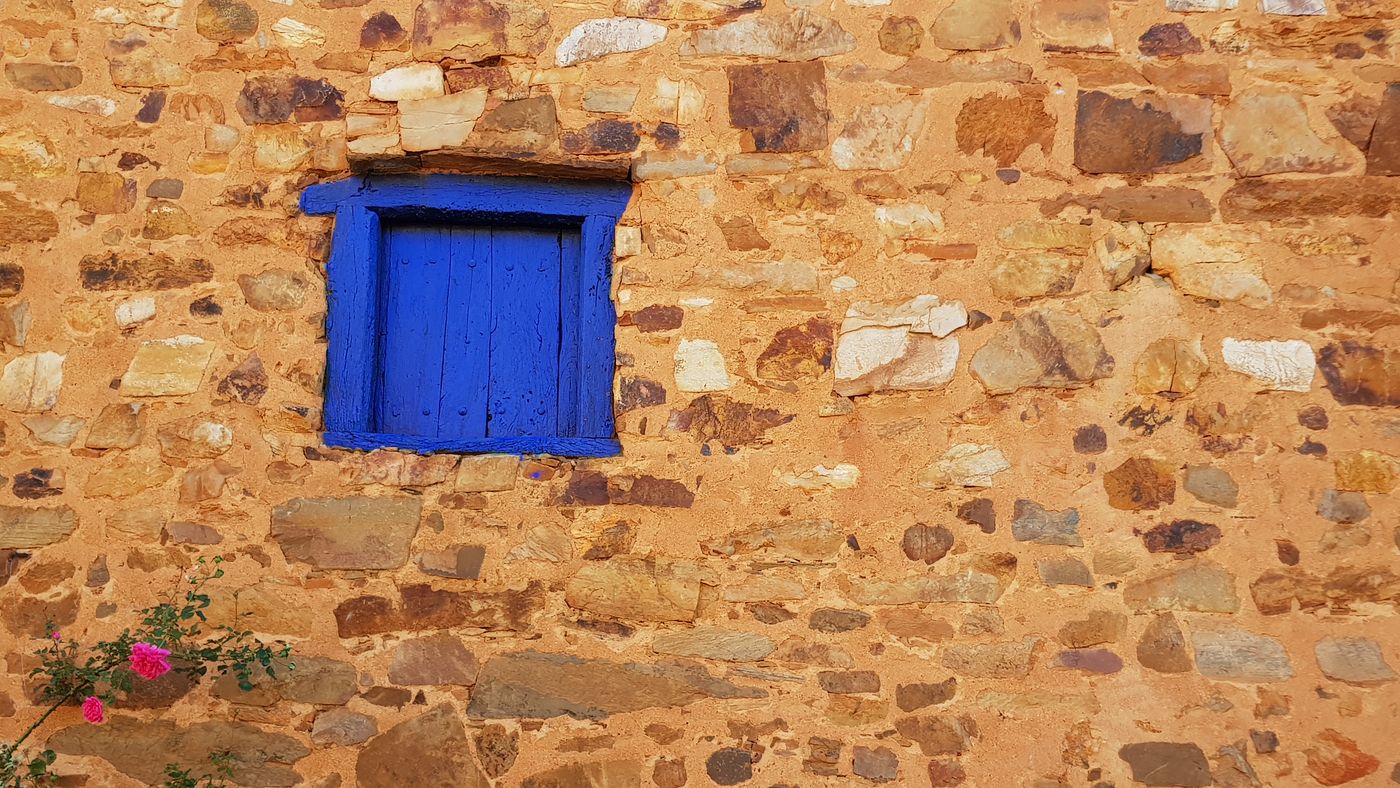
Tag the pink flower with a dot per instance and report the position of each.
(149, 662)
(56, 637)
(92, 710)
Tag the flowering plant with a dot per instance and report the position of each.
(171, 636)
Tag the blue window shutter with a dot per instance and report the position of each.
(470, 314)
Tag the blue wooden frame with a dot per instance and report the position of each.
(360, 204)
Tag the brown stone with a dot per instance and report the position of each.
(27, 528)
(347, 533)
(1199, 587)
(795, 541)
(245, 383)
(433, 660)
(1170, 366)
(945, 773)
(912, 697)
(1334, 759)
(1002, 127)
(1167, 763)
(134, 63)
(1140, 204)
(533, 685)
(654, 318)
(279, 98)
(1169, 39)
(741, 234)
(475, 30)
(423, 608)
(1383, 153)
(434, 742)
(669, 773)
(1140, 483)
(21, 222)
(382, 31)
(637, 392)
(879, 765)
(939, 734)
(716, 417)
(1360, 374)
(518, 125)
(603, 774)
(603, 137)
(128, 742)
(1042, 349)
(1181, 537)
(800, 352)
(43, 77)
(593, 488)
(901, 35)
(116, 271)
(1162, 646)
(1262, 199)
(226, 21)
(105, 192)
(319, 680)
(926, 543)
(1140, 135)
(1074, 25)
(496, 749)
(780, 107)
(1266, 133)
(1198, 79)
(1355, 119)
(980, 512)
(117, 426)
(800, 35)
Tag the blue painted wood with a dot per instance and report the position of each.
(524, 368)
(352, 275)
(597, 320)
(585, 210)
(416, 268)
(562, 447)
(462, 412)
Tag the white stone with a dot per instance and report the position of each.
(843, 284)
(898, 348)
(1294, 7)
(1202, 5)
(168, 367)
(700, 367)
(408, 83)
(595, 38)
(55, 430)
(843, 476)
(908, 221)
(88, 105)
(136, 311)
(697, 302)
(683, 101)
(213, 436)
(627, 241)
(1212, 262)
(879, 137)
(965, 465)
(440, 121)
(783, 277)
(298, 34)
(615, 100)
(1281, 365)
(30, 383)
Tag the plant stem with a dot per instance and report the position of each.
(15, 747)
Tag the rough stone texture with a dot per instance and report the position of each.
(877, 255)
(127, 743)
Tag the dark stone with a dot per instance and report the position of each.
(832, 621)
(1167, 763)
(1169, 39)
(612, 541)
(383, 31)
(780, 107)
(278, 98)
(11, 279)
(1008, 176)
(912, 697)
(1144, 421)
(654, 318)
(245, 383)
(669, 773)
(1355, 119)
(43, 77)
(1182, 538)
(901, 35)
(1358, 374)
(927, 543)
(944, 773)
(716, 417)
(388, 697)
(435, 742)
(1162, 646)
(603, 137)
(1314, 417)
(1311, 448)
(593, 488)
(637, 392)
(1139, 484)
(497, 748)
(770, 613)
(1002, 127)
(730, 766)
(226, 21)
(1265, 742)
(141, 272)
(422, 608)
(130, 161)
(166, 188)
(980, 512)
(1383, 155)
(1090, 439)
(667, 136)
(1114, 135)
(1288, 554)
(849, 682)
(152, 104)
(205, 307)
(798, 352)
(37, 483)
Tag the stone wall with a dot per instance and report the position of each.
(1007, 391)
